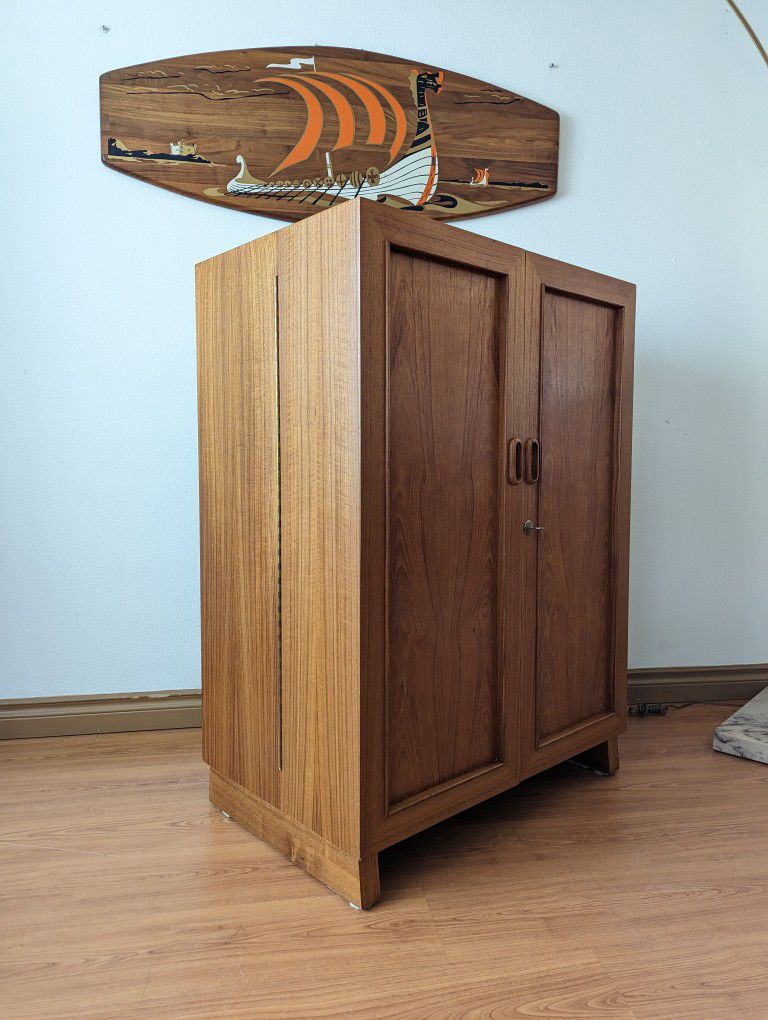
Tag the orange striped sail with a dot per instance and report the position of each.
(370, 94)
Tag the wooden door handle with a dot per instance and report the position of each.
(532, 461)
(515, 461)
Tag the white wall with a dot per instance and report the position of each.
(664, 181)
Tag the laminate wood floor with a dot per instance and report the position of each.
(125, 894)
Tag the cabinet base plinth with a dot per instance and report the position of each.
(355, 879)
(603, 758)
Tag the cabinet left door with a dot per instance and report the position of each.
(239, 515)
(442, 581)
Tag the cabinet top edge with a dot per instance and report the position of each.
(360, 211)
(349, 209)
(546, 262)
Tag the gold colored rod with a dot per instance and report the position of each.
(750, 31)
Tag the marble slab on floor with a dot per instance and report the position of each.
(745, 733)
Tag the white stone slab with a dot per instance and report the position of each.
(745, 733)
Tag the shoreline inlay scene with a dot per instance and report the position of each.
(289, 132)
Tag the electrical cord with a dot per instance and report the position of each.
(643, 710)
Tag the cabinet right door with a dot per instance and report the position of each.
(579, 330)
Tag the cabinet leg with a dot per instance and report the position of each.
(602, 758)
(370, 890)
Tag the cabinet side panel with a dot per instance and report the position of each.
(238, 436)
(320, 486)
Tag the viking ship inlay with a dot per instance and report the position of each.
(413, 178)
(289, 131)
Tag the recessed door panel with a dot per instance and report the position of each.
(445, 414)
(575, 598)
(580, 324)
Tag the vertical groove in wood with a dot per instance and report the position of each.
(278, 458)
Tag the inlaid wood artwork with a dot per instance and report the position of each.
(289, 132)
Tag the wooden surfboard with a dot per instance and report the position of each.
(288, 132)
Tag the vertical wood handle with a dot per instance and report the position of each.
(532, 461)
(515, 461)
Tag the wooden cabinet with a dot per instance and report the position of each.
(414, 491)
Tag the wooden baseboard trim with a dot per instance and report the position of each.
(696, 683)
(99, 713)
(173, 710)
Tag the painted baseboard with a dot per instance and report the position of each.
(167, 710)
(99, 713)
(696, 683)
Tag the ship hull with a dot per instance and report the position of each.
(412, 179)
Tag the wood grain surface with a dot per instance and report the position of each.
(575, 622)
(355, 879)
(637, 897)
(413, 758)
(238, 443)
(580, 326)
(257, 130)
(444, 682)
(320, 483)
(410, 649)
(280, 525)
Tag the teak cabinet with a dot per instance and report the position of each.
(414, 491)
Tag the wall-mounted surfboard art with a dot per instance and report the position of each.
(287, 132)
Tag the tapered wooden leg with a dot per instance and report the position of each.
(602, 758)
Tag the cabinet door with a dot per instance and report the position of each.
(441, 610)
(580, 326)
